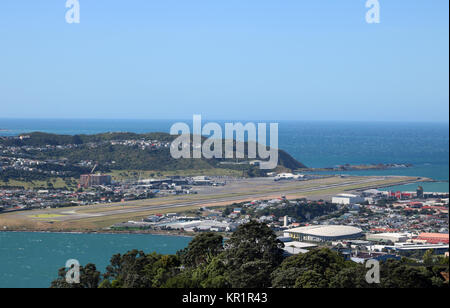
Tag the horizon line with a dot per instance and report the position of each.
(225, 120)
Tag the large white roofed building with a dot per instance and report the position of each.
(323, 233)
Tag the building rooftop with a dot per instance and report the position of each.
(435, 235)
(327, 230)
(301, 245)
(347, 195)
(396, 235)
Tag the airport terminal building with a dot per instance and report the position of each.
(324, 233)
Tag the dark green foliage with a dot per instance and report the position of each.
(350, 277)
(254, 241)
(202, 247)
(252, 247)
(89, 278)
(214, 274)
(135, 269)
(210, 274)
(251, 274)
(28, 176)
(313, 269)
(42, 139)
(398, 274)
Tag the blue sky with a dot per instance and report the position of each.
(225, 59)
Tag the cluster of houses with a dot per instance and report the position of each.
(48, 167)
(22, 199)
(142, 144)
(12, 150)
(18, 157)
(426, 215)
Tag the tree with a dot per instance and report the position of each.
(184, 280)
(135, 269)
(210, 274)
(428, 257)
(398, 274)
(315, 268)
(286, 277)
(253, 246)
(251, 274)
(350, 277)
(200, 248)
(89, 278)
(254, 241)
(311, 279)
(214, 274)
(128, 270)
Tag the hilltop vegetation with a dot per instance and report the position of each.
(104, 150)
(42, 139)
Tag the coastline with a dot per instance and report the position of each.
(363, 167)
(143, 232)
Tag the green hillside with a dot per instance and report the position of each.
(98, 148)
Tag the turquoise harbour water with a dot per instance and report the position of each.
(29, 260)
(33, 259)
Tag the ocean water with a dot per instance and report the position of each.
(32, 260)
(424, 145)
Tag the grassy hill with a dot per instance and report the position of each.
(98, 148)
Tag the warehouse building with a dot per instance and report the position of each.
(434, 238)
(388, 237)
(324, 233)
(437, 248)
(346, 199)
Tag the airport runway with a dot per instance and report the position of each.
(110, 210)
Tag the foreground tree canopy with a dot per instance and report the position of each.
(251, 258)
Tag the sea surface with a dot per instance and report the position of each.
(33, 259)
